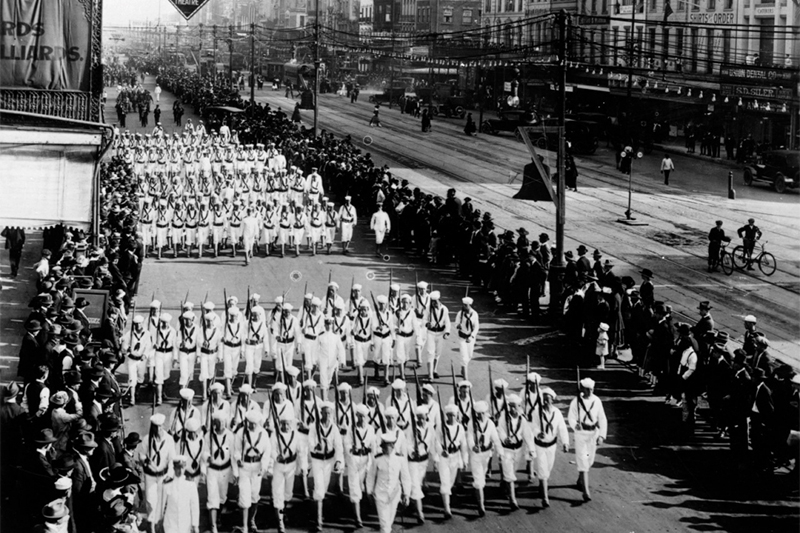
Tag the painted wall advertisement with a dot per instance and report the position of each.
(45, 44)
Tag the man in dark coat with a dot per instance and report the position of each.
(30, 351)
(703, 326)
(84, 481)
(15, 240)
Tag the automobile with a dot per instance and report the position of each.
(581, 135)
(383, 98)
(214, 116)
(453, 107)
(780, 168)
(508, 120)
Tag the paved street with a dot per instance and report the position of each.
(645, 478)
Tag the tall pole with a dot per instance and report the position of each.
(316, 66)
(230, 53)
(214, 33)
(557, 266)
(630, 52)
(391, 57)
(252, 64)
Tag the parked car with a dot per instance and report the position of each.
(383, 98)
(582, 136)
(508, 120)
(779, 168)
(453, 107)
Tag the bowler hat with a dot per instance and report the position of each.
(646, 272)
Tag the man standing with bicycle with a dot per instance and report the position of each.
(715, 239)
(749, 235)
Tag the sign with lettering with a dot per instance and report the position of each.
(754, 91)
(45, 44)
(757, 74)
(712, 18)
(765, 11)
(188, 8)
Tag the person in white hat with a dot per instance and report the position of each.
(192, 446)
(327, 455)
(330, 355)
(269, 221)
(355, 301)
(294, 391)
(284, 445)
(218, 450)
(381, 224)
(498, 399)
(383, 336)
(432, 407)
(300, 220)
(750, 334)
(163, 219)
(312, 325)
(362, 339)
(463, 400)
(451, 447)
(184, 412)
(210, 343)
(376, 417)
(152, 323)
(147, 222)
(390, 427)
(243, 404)
(275, 406)
(400, 400)
(468, 325)
(306, 421)
(314, 186)
(177, 236)
(421, 450)
(137, 345)
(588, 420)
(437, 323)
(235, 230)
(252, 454)
(394, 298)
(298, 187)
(250, 230)
(255, 339)
(188, 346)
(157, 466)
(181, 511)
(273, 318)
(358, 446)
(517, 440)
(548, 428)
(331, 218)
(286, 331)
(166, 348)
(214, 404)
(233, 334)
(387, 481)
(315, 228)
(203, 224)
(348, 218)
(285, 222)
(406, 333)
(219, 221)
(332, 298)
(483, 441)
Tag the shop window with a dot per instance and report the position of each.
(466, 16)
(448, 16)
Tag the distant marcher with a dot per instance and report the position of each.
(667, 166)
(15, 239)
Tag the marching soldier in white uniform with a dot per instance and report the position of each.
(421, 450)
(275, 406)
(515, 435)
(467, 324)
(250, 462)
(286, 331)
(157, 466)
(450, 450)
(406, 328)
(166, 346)
(464, 403)
(232, 337)
(438, 325)
(361, 331)
(330, 355)
(210, 340)
(244, 404)
(215, 404)
(138, 344)
(548, 428)
(306, 421)
(588, 420)
(219, 446)
(383, 335)
(400, 400)
(325, 445)
(192, 447)
(331, 222)
(483, 441)
(183, 413)
(387, 481)
(312, 325)
(187, 348)
(255, 339)
(358, 446)
(376, 416)
(284, 464)
(348, 218)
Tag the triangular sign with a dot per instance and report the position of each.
(188, 8)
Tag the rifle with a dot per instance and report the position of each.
(327, 293)
(390, 281)
(414, 421)
(336, 396)
(304, 309)
(419, 392)
(352, 304)
(316, 419)
(455, 387)
(491, 392)
(444, 420)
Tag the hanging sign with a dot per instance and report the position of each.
(188, 8)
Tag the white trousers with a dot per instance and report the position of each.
(217, 486)
(321, 471)
(585, 449)
(448, 468)
(479, 465)
(249, 484)
(282, 483)
(417, 471)
(357, 469)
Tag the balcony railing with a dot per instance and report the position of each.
(64, 104)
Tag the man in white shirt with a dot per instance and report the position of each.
(381, 225)
(387, 481)
(181, 513)
(588, 420)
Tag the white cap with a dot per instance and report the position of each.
(187, 306)
(603, 326)
(333, 284)
(253, 416)
(344, 387)
(179, 459)
(220, 415)
(279, 386)
(309, 383)
(293, 371)
(192, 425)
(233, 310)
(533, 377)
(166, 318)
(398, 384)
(451, 409)
(208, 306)
(362, 409)
(388, 438)
(286, 416)
(395, 286)
(391, 411)
(500, 382)
(138, 319)
(466, 300)
(288, 307)
(217, 386)
(326, 405)
(382, 299)
(189, 315)
(435, 295)
(548, 391)
(308, 296)
(232, 300)
(157, 419)
(278, 299)
(405, 297)
(429, 388)
(155, 304)
(187, 394)
(422, 285)
(464, 383)
(514, 399)
(245, 389)
(480, 406)
(357, 287)
(63, 483)
(374, 390)
(587, 383)
(255, 297)
(750, 318)
(316, 301)
(421, 410)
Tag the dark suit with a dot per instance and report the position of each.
(82, 497)
(699, 330)
(30, 356)
(104, 456)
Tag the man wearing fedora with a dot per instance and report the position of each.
(105, 456)
(702, 327)
(584, 266)
(30, 351)
(79, 314)
(12, 420)
(36, 472)
(84, 480)
(647, 289)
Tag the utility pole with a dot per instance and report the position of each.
(317, 65)
(391, 58)
(177, 33)
(252, 64)
(557, 266)
(214, 36)
(230, 53)
(631, 50)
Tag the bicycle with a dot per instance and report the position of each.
(766, 261)
(725, 259)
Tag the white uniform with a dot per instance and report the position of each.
(387, 480)
(284, 466)
(157, 465)
(326, 450)
(249, 232)
(467, 325)
(421, 450)
(181, 506)
(488, 442)
(588, 420)
(187, 352)
(255, 338)
(219, 447)
(383, 336)
(358, 444)
(517, 440)
(450, 448)
(361, 338)
(381, 225)
(312, 326)
(194, 451)
(209, 409)
(438, 323)
(348, 217)
(239, 411)
(210, 340)
(406, 328)
(136, 361)
(180, 417)
(166, 346)
(330, 356)
(233, 335)
(251, 457)
(280, 409)
(552, 429)
(286, 330)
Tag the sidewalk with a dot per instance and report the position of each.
(674, 147)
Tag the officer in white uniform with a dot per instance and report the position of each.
(467, 324)
(437, 323)
(588, 420)
(387, 481)
(181, 507)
